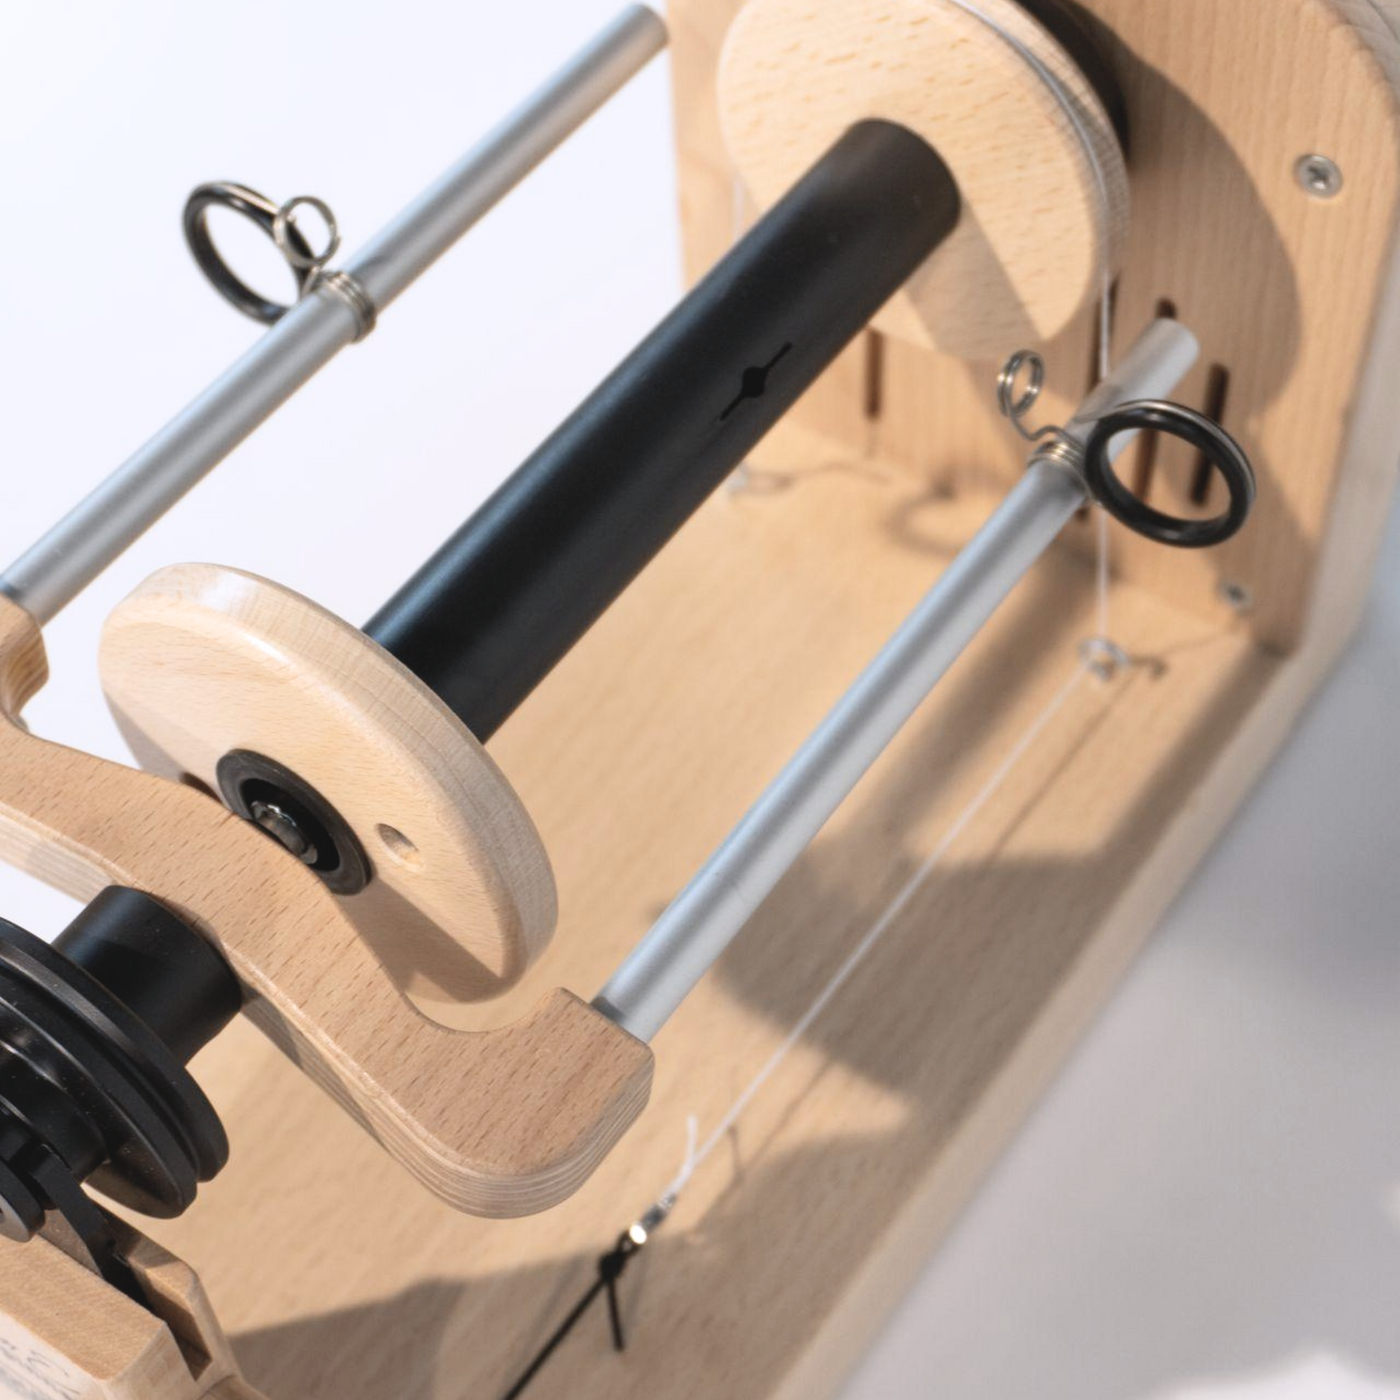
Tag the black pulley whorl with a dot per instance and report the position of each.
(95, 1032)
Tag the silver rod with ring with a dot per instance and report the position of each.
(334, 313)
(707, 914)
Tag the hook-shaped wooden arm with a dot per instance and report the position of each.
(500, 1123)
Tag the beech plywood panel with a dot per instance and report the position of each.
(335, 1274)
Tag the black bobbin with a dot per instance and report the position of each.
(95, 1033)
(497, 607)
(491, 613)
(503, 600)
(500, 604)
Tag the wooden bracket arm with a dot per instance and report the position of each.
(499, 1123)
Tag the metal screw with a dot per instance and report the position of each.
(1236, 596)
(1102, 658)
(282, 826)
(1319, 175)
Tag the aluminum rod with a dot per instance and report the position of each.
(488, 172)
(52, 572)
(705, 917)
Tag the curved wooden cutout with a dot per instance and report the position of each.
(1038, 227)
(499, 1123)
(202, 659)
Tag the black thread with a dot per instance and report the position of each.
(610, 1268)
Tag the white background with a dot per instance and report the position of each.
(1208, 1203)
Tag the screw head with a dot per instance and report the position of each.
(1236, 596)
(282, 826)
(1319, 175)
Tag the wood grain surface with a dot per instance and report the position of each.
(1038, 165)
(336, 1277)
(505, 1119)
(201, 660)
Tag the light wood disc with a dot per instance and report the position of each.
(201, 660)
(1045, 194)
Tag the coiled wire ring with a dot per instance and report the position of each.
(274, 220)
(295, 250)
(1216, 446)
(1014, 407)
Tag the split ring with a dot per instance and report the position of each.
(273, 220)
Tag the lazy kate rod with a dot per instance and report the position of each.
(49, 575)
(711, 910)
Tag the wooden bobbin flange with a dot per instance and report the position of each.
(501, 1122)
(201, 661)
(1045, 195)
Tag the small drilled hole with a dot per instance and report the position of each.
(1236, 596)
(400, 847)
(753, 382)
(874, 386)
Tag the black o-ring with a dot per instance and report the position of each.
(262, 211)
(1214, 443)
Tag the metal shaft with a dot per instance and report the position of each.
(55, 570)
(703, 919)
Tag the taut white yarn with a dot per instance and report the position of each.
(696, 1156)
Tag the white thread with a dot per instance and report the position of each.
(1065, 98)
(695, 1157)
(1101, 571)
(691, 1160)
